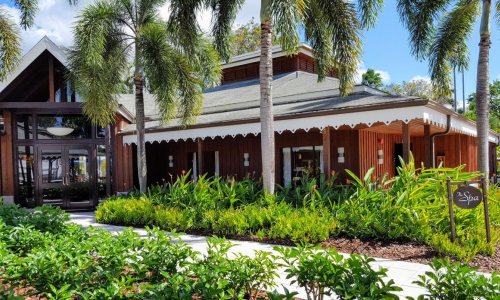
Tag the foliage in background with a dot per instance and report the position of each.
(246, 38)
(70, 262)
(411, 206)
(372, 78)
(416, 88)
(494, 106)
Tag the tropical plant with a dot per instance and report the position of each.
(409, 207)
(449, 280)
(112, 34)
(372, 78)
(439, 31)
(331, 27)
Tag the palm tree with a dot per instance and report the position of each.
(332, 27)
(439, 31)
(10, 42)
(111, 34)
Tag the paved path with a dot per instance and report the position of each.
(403, 273)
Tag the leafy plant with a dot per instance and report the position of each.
(454, 281)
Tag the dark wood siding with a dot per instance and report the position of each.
(123, 173)
(6, 157)
(284, 64)
(369, 144)
(349, 139)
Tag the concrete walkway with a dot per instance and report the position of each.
(403, 273)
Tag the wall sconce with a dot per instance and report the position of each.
(380, 156)
(2, 125)
(170, 161)
(246, 162)
(341, 158)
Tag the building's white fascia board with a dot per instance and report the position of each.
(387, 116)
(253, 57)
(44, 44)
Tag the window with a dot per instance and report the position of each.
(63, 127)
(25, 176)
(102, 164)
(24, 125)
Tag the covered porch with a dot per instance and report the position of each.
(317, 144)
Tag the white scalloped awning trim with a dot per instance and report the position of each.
(386, 116)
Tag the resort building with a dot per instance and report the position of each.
(50, 153)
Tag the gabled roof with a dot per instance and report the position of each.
(45, 44)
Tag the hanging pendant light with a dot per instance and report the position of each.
(59, 129)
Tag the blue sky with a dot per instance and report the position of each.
(386, 46)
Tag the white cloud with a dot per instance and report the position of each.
(386, 77)
(55, 19)
(421, 77)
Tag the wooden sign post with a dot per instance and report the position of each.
(468, 197)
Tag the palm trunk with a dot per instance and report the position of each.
(483, 90)
(266, 100)
(140, 119)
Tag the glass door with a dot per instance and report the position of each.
(65, 176)
(51, 172)
(78, 188)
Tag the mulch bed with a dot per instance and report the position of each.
(406, 251)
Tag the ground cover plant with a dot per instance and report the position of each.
(70, 262)
(409, 207)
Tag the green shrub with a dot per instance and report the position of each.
(325, 273)
(454, 281)
(130, 212)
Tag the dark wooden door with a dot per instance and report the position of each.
(66, 176)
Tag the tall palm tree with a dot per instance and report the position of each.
(111, 34)
(439, 30)
(332, 27)
(10, 41)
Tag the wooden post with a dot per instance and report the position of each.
(406, 142)
(427, 146)
(200, 156)
(327, 152)
(52, 86)
(484, 187)
(450, 209)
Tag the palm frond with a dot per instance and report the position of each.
(98, 59)
(419, 17)
(223, 15)
(318, 35)
(497, 14)
(173, 74)
(449, 48)
(368, 11)
(28, 9)
(10, 45)
(147, 10)
(182, 23)
(286, 18)
(340, 21)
